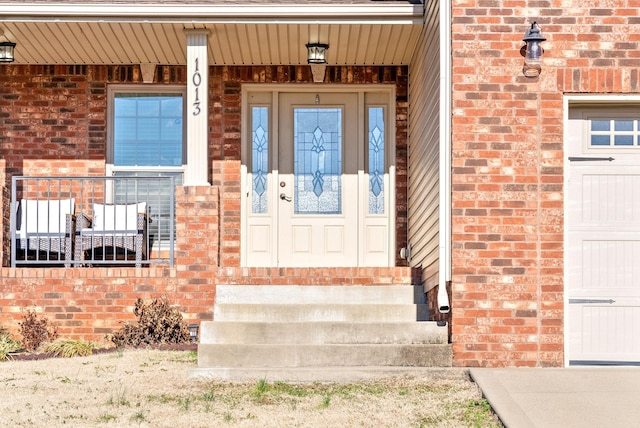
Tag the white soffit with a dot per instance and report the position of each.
(376, 33)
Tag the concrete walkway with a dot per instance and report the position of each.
(563, 397)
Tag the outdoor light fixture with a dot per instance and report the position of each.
(193, 332)
(533, 52)
(316, 53)
(6, 51)
(317, 59)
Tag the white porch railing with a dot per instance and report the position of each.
(92, 221)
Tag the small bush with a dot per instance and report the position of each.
(36, 331)
(69, 348)
(158, 323)
(7, 345)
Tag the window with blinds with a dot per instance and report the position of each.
(148, 140)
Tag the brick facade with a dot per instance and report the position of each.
(507, 151)
(53, 122)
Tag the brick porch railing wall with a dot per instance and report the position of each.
(90, 302)
(507, 140)
(53, 122)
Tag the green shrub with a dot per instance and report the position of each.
(158, 323)
(36, 331)
(70, 348)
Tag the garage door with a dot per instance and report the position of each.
(602, 219)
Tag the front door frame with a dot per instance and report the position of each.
(388, 90)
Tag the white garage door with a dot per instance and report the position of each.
(602, 219)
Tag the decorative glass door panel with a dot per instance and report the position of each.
(317, 162)
(317, 138)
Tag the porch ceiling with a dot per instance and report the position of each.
(358, 33)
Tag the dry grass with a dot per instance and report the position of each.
(149, 388)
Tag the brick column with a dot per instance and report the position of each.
(197, 230)
(226, 175)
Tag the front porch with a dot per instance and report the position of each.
(91, 302)
(66, 116)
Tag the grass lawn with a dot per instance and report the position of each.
(150, 388)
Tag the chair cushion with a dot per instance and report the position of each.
(42, 216)
(117, 217)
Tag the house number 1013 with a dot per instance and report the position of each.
(196, 79)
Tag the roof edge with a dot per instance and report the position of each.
(162, 12)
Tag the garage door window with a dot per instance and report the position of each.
(609, 132)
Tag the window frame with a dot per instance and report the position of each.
(603, 112)
(143, 89)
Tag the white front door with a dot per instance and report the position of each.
(318, 179)
(602, 255)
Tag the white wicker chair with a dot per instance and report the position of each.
(46, 226)
(116, 227)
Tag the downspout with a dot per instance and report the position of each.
(444, 271)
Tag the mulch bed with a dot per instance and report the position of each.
(31, 356)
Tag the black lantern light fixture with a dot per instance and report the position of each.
(193, 332)
(6, 51)
(533, 51)
(317, 59)
(317, 53)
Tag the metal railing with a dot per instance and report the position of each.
(92, 221)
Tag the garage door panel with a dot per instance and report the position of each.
(606, 199)
(604, 333)
(610, 264)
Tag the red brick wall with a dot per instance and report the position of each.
(507, 140)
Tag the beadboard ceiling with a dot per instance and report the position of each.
(374, 35)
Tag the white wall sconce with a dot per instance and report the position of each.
(533, 51)
(317, 59)
(7, 51)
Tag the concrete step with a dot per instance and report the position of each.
(274, 312)
(325, 355)
(220, 332)
(330, 294)
(346, 374)
(319, 333)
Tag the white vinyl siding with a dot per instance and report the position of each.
(424, 150)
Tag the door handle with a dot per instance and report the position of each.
(285, 197)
